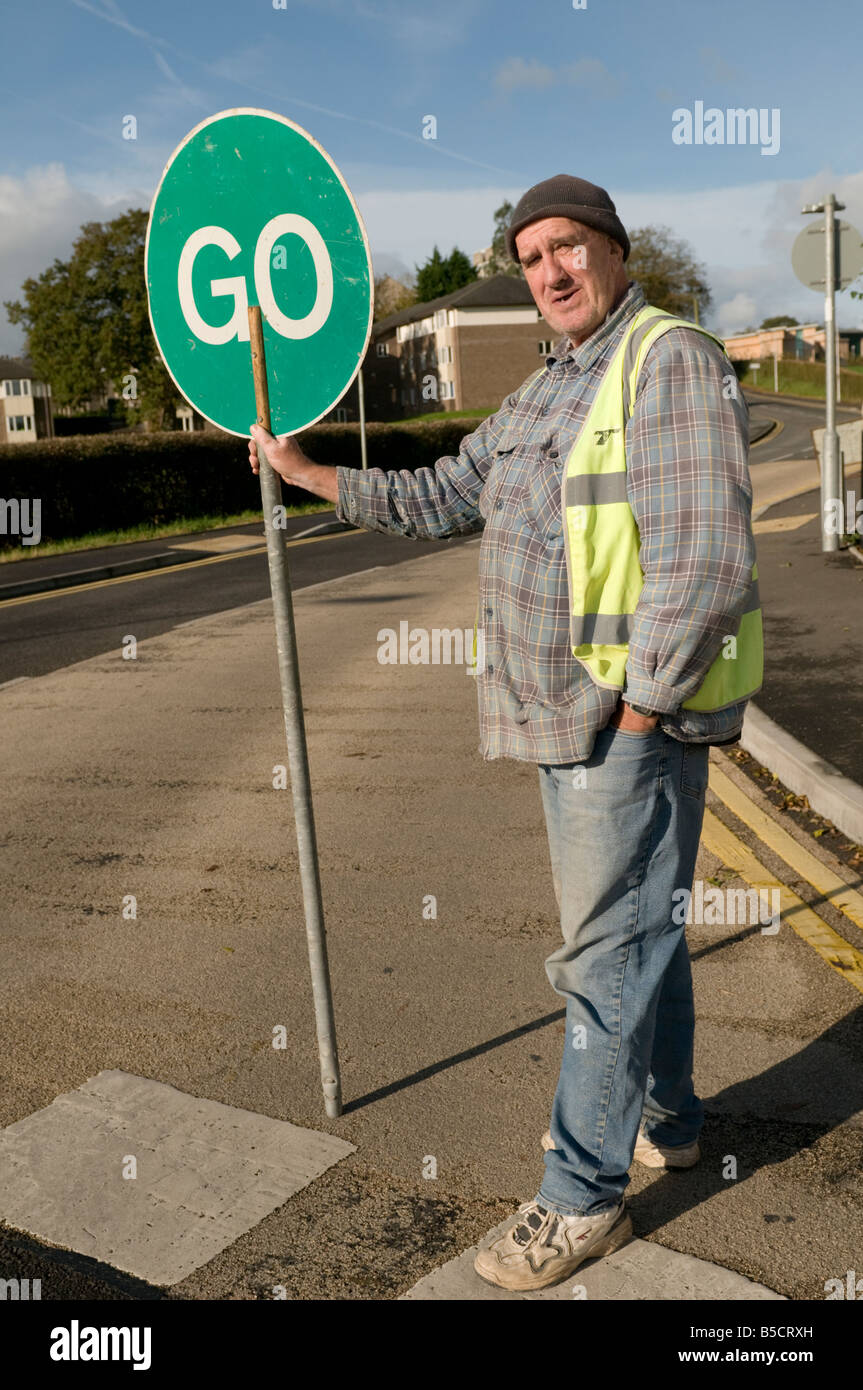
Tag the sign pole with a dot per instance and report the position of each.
(831, 483)
(362, 400)
(830, 269)
(292, 703)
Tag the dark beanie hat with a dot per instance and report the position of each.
(565, 196)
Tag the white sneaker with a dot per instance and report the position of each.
(545, 1247)
(653, 1155)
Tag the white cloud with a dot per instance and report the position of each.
(716, 67)
(592, 76)
(520, 72)
(737, 314)
(40, 216)
(406, 225)
(589, 74)
(742, 235)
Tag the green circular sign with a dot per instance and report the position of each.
(251, 210)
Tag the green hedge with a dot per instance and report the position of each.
(108, 482)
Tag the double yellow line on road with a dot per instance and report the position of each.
(839, 954)
(166, 569)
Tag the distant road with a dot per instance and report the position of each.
(794, 440)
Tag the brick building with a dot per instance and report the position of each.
(464, 351)
(803, 342)
(25, 403)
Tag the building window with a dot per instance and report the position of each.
(20, 422)
(447, 390)
(13, 388)
(341, 415)
(545, 348)
(383, 350)
(444, 355)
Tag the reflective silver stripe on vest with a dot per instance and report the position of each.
(591, 489)
(602, 629)
(615, 629)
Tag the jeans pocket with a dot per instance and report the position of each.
(614, 730)
(694, 769)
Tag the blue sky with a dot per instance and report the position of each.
(519, 89)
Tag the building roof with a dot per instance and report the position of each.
(17, 369)
(492, 292)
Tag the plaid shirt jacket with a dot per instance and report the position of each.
(688, 484)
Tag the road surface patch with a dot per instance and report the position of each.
(782, 523)
(204, 1173)
(219, 545)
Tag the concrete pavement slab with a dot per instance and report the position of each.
(154, 1182)
(638, 1271)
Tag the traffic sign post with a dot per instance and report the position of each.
(295, 732)
(252, 193)
(829, 265)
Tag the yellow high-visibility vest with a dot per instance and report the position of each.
(602, 539)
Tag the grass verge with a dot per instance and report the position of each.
(805, 379)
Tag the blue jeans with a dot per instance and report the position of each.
(623, 830)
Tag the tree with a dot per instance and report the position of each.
(499, 262)
(664, 267)
(441, 275)
(391, 296)
(780, 321)
(87, 322)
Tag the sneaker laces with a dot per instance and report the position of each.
(539, 1221)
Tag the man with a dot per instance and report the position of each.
(616, 575)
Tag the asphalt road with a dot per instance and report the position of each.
(797, 420)
(154, 777)
(47, 632)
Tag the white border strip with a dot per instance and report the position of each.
(829, 792)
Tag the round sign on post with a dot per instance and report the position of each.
(260, 289)
(808, 259)
(252, 211)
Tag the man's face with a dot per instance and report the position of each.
(575, 274)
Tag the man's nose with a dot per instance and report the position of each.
(555, 274)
